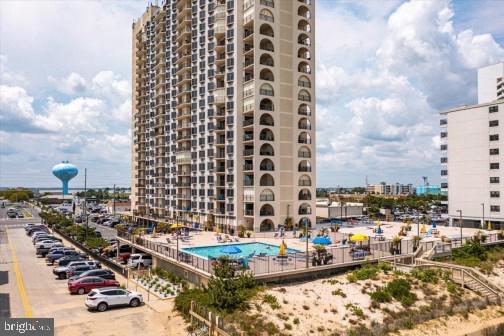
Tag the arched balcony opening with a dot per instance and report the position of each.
(266, 59)
(304, 109)
(266, 226)
(266, 90)
(267, 181)
(304, 26)
(266, 150)
(304, 39)
(304, 12)
(266, 29)
(266, 120)
(266, 135)
(304, 81)
(304, 95)
(304, 152)
(267, 165)
(304, 53)
(305, 209)
(304, 138)
(304, 195)
(266, 15)
(304, 124)
(267, 210)
(267, 75)
(304, 181)
(267, 195)
(304, 68)
(266, 105)
(304, 166)
(267, 45)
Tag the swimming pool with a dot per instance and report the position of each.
(246, 250)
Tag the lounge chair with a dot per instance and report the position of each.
(276, 235)
(219, 239)
(236, 239)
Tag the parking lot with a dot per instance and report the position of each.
(28, 286)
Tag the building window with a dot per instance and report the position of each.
(494, 137)
(493, 123)
(494, 151)
(494, 179)
(494, 165)
(444, 185)
(444, 160)
(494, 208)
(444, 134)
(493, 109)
(443, 122)
(444, 147)
(444, 172)
(495, 194)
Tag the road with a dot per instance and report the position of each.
(28, 287)
(107, 232)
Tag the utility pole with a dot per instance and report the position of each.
(483, 217)
(113, 200)
(460, 212)
(85, 202)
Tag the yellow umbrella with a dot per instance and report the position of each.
(177, 226)
(489, 226)
(424, 228)
(359, 237)
(282, 248)
(378, 223)
(154, 232)
(217, 232)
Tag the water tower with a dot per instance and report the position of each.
(65, 172)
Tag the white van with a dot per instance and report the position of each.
(141, 259)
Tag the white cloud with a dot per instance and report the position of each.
(108, 84)
(72, 84)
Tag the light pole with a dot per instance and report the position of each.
(460, 213)
(306, 236)
(483, 215)
(176, 234)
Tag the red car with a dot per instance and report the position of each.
(86, 284)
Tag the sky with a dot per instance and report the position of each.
(384, 69)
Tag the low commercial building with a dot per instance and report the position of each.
(390, 189)
(119, 206)
(326, 209)
(428, 190)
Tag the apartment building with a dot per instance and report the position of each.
(224, 113)
(490, 83)
(390, 189)
(471, 158)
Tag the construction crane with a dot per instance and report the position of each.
(425, 181)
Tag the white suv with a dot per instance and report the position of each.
(103, 298)
(139, 259)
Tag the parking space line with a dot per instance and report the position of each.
(19, 280)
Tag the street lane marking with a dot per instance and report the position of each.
(19, 280)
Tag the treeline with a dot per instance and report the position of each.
(104, 194)
(17, 194)
(418, 202)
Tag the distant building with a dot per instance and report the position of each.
(428, 190)
(471, 139)
(121, 206)
(390, 189)
(326, 209)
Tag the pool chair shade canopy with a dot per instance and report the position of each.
(230, 249)
(359, 237)
(321, 241)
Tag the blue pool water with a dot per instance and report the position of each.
(246, 250)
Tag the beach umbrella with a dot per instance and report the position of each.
(320, 240)
(379, 230)
(282, 249)
(230, 249)
(177, 226)
(433, 224)
(359, 237)
(489, 226)
(154, 232)
(217, 232)
(424, 228)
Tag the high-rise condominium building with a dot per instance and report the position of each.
(490, 83)
(224, 113)
(471, 165)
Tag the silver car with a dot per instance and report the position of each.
(103, 298)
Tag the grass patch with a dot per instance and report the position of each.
(271, 300)
(339, 292)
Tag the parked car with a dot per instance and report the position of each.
(29, 225)
(124, 253)
(44, 252)
(31, 231)
(103, 298)
(102, 273)
(77, 270)
(46, 237)
(68, 259)
(52, 257)
(62, 271)
(47, 244)
(86, 284)
(139, 259)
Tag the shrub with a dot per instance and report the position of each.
(271, 300)
(295, 320)
(339, 292)
(408, 324)
(288, 326)
(426, 275)
(381, 296)
(363, 273)
(400, 289)
(305, 307)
